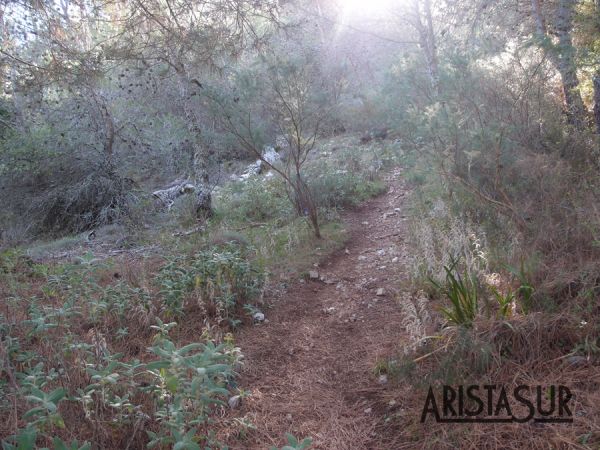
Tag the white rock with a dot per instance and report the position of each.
(258, 317)
(395, 259)
(383, 379)
(362, 257)
(380, 292)
(313, 275)
(270, 155)
(368, 411)
(235, 402)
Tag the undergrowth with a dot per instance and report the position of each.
(138, 352)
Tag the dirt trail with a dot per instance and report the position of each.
(310, 368)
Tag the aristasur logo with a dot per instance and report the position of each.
(498, 404)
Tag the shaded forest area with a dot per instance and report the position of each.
(171, 169)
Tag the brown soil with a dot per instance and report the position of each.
(310, 369)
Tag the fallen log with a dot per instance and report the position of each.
(168, 196)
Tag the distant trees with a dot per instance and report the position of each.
(127, 88)
(98, 80)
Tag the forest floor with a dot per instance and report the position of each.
(310, 369)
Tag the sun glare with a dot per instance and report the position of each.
(366, 8)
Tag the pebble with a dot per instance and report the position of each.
(313, 275)
(234, 402)
(576, 360)
(380, 292)
(368, 411)
(395, 259)
(383, 379)
(258, 317)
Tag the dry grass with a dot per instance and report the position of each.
(531, 350)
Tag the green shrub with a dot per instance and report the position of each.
(340, 188)
(222, 279)
(463, 292)
(256, 199)
(188, 381)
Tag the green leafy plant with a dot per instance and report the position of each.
(188, 381)
(26, 438)
(221, 278)
(526, 289)
(59, 444)
(294, 443)
(23, 440)
(505, 302)
(463, 292)
(46, 411)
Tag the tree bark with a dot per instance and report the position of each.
(562, 56)
(596, 80)
(424, 25)
(565, 63)
(538, 15)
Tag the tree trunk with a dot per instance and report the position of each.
(307, 205)
(434, 71)
(564, 56)
(540, 21)
(199, 164)
(596, 79)
(427, 42)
